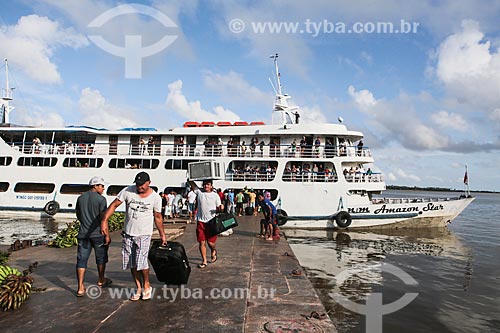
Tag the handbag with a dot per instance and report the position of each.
(222, 222)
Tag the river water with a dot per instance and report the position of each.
(450, 276)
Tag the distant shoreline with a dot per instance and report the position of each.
(440, 189)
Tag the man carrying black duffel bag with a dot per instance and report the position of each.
(209, 204)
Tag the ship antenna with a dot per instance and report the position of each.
(7, 97)
(278, 80)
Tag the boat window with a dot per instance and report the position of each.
(37, 161)
(113, 190)
(34, 187)
(251, 170)
(5, 160)
(74, 188)
(74, 162)
(4, 186)
(133, 163)
(178, 164)
(300, 171)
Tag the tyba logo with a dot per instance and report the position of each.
(133, 52)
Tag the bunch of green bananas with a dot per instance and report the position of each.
(67, 236)
(6, 271)
(4, 256)
(116, 221)
(15, 288)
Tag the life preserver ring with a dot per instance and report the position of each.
(282, 217)
(343, 219)
(51, 208)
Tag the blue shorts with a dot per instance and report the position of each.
(191, 207)
(85, 246)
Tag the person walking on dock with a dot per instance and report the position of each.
(90, 208)
(209, 204)
(269, 211)
(143, 210)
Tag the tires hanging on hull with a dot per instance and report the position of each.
(282, 217)
(51, 208)
(343, 219)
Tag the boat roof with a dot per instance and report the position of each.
(250, 130)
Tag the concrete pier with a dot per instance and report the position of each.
(255, 286)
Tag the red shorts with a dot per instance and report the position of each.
(203, 233)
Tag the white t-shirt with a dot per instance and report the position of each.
(207, 204)
(139, 219)
(191, 197)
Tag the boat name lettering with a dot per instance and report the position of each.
(431, 206)
(358, 210)
(384, 210)
(31, 197)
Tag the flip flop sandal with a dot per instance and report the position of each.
(106, 283)
(147, 294)
(201, 266)
(214, 257)
(136, 297)
(81, 294)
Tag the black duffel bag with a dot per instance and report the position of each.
(222, 222)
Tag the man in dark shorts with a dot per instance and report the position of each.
(209, 204)
(90, 207)
(270, 212)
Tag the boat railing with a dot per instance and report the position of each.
(198, 150)
(310, 177)
(364, 177)
(409, 200)
(250, 177)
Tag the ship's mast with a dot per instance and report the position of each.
(6, 98)
(283, 114)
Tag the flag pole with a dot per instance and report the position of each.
(466, 182)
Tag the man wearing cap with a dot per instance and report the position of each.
(90, 208)
(143, 210)
(208, 204)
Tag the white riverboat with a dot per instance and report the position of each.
(318, 175)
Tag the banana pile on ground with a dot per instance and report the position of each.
(4, 256)
(67, 236)
(15, 288)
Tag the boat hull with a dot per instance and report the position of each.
(438, 213)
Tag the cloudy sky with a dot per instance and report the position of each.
(425, 92)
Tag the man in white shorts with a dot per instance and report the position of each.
(143, 207)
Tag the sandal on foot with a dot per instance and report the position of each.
(80, 294)
(106, 283)
(147, 294)
(136, 297)
(201, 266)
(214, 256)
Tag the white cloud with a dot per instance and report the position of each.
(40, 119)
(30, 45)
(450, 120)
(312, 115)
(192, 110)
(397, 121)
(468, 69)
(233, 87)
(363, 98)
(97, 112)
(403, 175)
